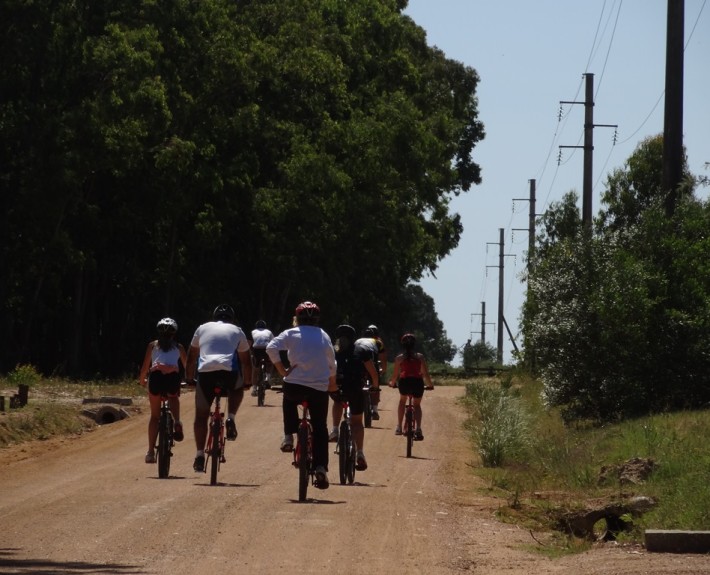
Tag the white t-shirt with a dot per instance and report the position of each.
(261, 338)
(219, 344)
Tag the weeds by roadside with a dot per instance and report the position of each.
(542, 467)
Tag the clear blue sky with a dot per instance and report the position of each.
(530, 55)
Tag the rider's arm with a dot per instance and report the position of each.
(374, 376)
(191, 366)
(425, 373)
(146, 364)
(395, 372)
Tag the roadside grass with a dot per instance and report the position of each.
(54, 405)
(541, 467)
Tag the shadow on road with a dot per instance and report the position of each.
(10, 562)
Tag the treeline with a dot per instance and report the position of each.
(617, 319)
(159, 158)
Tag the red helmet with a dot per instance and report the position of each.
(408, 339)
(307, 309)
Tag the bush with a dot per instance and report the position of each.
(24, 375)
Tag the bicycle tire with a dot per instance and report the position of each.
(352, 457)
(409, 426)
(368, 408)
(164, 436)
(344, 444)
(215, 452)
(303, 463)
(261, 390)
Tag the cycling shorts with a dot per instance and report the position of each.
(229, 381)
(259, 353)
(160, 383)
(411, 386)
(355, 396)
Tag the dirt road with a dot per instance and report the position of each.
(91, 505)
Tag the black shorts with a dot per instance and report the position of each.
(259, 353)
(355, 395)
(207, 381)
(160, 383)
(411, 386)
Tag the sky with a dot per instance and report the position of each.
(530, 56)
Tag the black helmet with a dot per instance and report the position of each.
(345, 331)
(167, 326)
(307, 309)
(261, 324)
(367, 332)
(223, 312)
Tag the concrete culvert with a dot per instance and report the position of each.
(105, 414)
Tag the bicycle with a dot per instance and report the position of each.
(214, 450)
(262, 380)
(303, 454)
(367, 412)
(409, 423)
(165, 437)
(346, 448)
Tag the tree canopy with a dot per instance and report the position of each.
(160, 158)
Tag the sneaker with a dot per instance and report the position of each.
(150, 457)
(334, 435)
(178, 435)
(231, 429)
(199, 464)
(375, 414)
(287, 444)
(360, 461)
(321, 481)
(253, 391)
(398, 430)
(418, 435)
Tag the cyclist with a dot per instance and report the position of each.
(411, 369)
(373, 345)
(352, 366)
(260, 337)
(163, 368)
(219, 352)
(310, 376)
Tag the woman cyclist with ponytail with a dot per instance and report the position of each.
(162, 370)
(410, 368)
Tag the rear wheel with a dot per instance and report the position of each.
(344, 451)
(352, 457)
(303, 463)
(261, 389)
(409, 431)
(215, 452)
(368, 408)
(164, 441)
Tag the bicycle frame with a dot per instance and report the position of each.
(408, 430)
(165, 437)
(214, 450)
(303, 454)
(346, 448)
(261, 383)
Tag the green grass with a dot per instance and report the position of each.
(54, 405)
(546, 467)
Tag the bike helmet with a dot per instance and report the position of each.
(223, 312)
(166, 326)
(345, 330)
(261, 324)
(373, 328)
(307, 309)
(408, 340)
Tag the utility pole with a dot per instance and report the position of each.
(483, 321)
(673, 116)
(588, 147)
(501, 283)
(531, 224)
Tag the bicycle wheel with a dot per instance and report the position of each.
(164, 436)
(409, 427)
(261, 390)
(352, 457)
(343, 451)
(215, 451)
(303, 463)
(368, 408)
